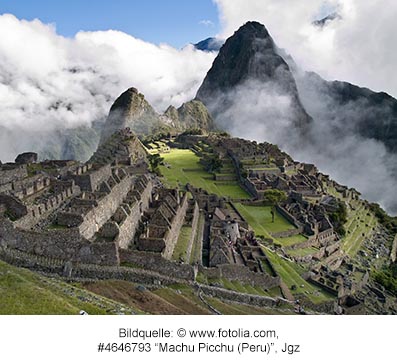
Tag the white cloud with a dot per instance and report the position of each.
(206, 22)
(49, 82)
(359, 48)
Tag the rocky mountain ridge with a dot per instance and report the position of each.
(132, 110)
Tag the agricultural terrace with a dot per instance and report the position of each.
(360, 224)
(291, 274)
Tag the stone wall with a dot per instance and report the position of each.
(193, 234)
(225, 177)
(13, 206)
(78, 271)
(155, 262)
(289, 233)
(10, 173)
(40, 210)
(62, 244)
(253, 300)
(129, 226)
(173, 233)
(250, 188)
(241, 274)
(95, 218)
(93, 179)
(288, 216)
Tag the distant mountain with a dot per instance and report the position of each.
(209, 44)
(132, 110)
(351, 108)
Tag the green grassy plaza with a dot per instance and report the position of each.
(260, 219)
(182, 166)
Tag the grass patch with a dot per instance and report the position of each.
(184, 299)
(240, 309)
(291, 274)
(289, 241)
(302, 252)
(260, 219)
(23, 292)
(184, 167)
(182, 244)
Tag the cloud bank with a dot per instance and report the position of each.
(48, 82)
(358, 48)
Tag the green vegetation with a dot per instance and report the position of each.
(23, 292)
(339, 218)
(274, 197)
(302, 252)
(34, 168)
(229, 308)
(155, 160)
(360, 224)
(212, 163)
(388, 278)
(384, 219)
(182, 244)
(184, 298)
(289, 241)
(182, 166)
(260, 219)
(291, 273)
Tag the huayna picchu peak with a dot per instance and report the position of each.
(249, 59)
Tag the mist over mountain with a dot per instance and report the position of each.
(132, 110)
(346, 130)
(55, 90)
(249, 80)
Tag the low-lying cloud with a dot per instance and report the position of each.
(49, 82)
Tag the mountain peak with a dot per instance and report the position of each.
(249, 57)
(130, 110)
(253, 27)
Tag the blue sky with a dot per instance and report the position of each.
(176, 22)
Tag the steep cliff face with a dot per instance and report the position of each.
(131, 110)
(249, 58)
